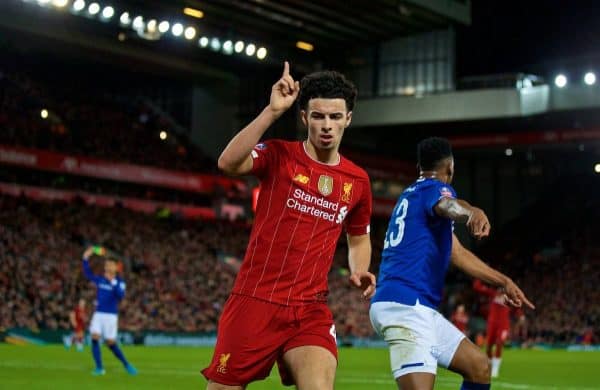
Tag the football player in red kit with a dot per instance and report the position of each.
(277, 311)
(498, 323)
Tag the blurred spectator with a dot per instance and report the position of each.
(175, 280)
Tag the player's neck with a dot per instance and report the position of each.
(329, 157)
(109, 276)
(432, 175)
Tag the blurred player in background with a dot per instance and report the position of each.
(460, 319)
(77, 318)
(498, 323)
(110, 291)
(418, 248)
(277, 311)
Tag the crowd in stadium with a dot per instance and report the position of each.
(88, 120)
(177, 282)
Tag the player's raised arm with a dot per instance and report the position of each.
(461, 211)
(87, 271)
(235, 158)
(359, 259)
(464, 259)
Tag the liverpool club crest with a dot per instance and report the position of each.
(325, 185)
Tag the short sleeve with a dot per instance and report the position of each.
(435, 193)
(264, 158)
(359, 219)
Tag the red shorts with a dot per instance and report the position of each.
(254, 334)
(497, 333)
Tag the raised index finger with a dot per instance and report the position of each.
(286, 69)
(531, 305)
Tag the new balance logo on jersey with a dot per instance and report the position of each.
(300, 178)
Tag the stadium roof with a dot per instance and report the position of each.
(326, 23)
(332, 27)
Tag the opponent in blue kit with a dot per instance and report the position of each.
(110, 291)
(418, 247)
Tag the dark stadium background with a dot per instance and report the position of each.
(483, 74)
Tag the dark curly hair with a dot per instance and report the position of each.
(431, 151)
(327, 84)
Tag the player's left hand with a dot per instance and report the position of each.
(88, 252)
(514, 296)
(365, 281)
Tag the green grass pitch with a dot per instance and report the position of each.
(52, 367)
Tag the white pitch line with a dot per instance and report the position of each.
(382, 380)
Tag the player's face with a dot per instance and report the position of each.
(450, 170)
(110, 267)
(81, 303)
(326, 120)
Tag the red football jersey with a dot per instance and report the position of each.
(460, 320)
(302, 207)
(79, 317)
(499, 312)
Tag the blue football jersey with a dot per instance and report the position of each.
(109, 293)
(417, 247)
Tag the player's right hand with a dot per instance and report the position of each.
(514, 296)
(478, 224)
(284, 92)
(365, 281)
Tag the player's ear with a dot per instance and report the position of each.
(304, 117)
(348, 118)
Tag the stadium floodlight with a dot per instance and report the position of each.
(108, 12)
(228, 47)
(60, 3)
(44, 113)
(508, 152)
(164, 26)
(589, 78)
(239, 46)
(78, 5)
(125, 19)
(195, 13)
(560, 81)
(94, 8)
(151, 26)
(163, 135)
(597, 168)
(261, 53)
(203, 42)
(305, 46)
(250, 49)
(138, 23)
(215, 44)
(190, 33)
(43, 2)
(177, 29)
